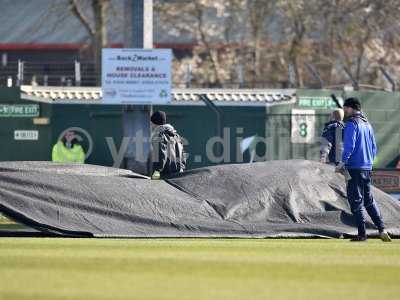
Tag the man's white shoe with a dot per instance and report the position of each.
(384, 236)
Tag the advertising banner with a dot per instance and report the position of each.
(387, 180)
(136, 76)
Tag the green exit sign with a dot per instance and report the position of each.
(19, 110)
(316, 102)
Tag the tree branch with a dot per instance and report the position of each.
(81, 17)
(199, 15)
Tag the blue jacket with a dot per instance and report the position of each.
(359, 143)
(330, 134)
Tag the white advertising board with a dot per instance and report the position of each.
(136, 76)
(303, 126)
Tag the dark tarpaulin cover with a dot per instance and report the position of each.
(293, 198)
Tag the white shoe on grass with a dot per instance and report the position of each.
(384, 236)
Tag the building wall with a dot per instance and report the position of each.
(198, 125)
(98, 121)
(11, 149)
(383, 109)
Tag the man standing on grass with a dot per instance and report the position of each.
(358, 155)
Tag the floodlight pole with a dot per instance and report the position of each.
(136, 118)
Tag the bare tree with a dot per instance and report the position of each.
(199, 9)
(258, 38)
(97, 28)
(355, 35)
(207, 23)
(261, 13)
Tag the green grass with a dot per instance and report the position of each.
(5, 220)
(52, 268)
(7, 224)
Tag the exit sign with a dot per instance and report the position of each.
(317, 102)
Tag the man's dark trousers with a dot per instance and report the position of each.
(359, 194)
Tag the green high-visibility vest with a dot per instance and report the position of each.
(63, 154)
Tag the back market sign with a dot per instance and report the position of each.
(19, 110)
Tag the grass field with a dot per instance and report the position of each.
(55, 268)
(5, 220)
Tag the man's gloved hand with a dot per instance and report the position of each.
(155, 176)
(340, 168)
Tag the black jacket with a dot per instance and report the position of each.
(167, 150)
(332, 137)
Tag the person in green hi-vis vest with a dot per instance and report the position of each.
(68, 150)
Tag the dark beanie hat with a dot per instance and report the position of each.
(353, 103)
(159, 118)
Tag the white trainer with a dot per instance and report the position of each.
(384, 236)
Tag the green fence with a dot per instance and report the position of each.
(283, 132)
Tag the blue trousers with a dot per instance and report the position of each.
(360, 196)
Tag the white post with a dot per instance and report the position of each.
(20, 75)
(4, 59)
(77, 73)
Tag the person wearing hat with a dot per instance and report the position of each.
(68, 149)
(359, 151)
(167, 154)
(331, 139)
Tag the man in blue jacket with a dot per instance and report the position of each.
(358, 154)
(331, 140)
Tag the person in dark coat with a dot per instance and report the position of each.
(358, 155)
(168, 156)
(331, 139)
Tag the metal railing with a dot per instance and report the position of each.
(55, 73)
(83, 73)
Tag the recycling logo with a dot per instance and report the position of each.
(163, 94)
